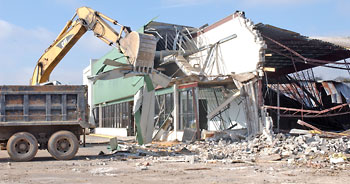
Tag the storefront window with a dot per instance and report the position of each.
(187, 118)
(115, 115)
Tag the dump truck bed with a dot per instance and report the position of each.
(42, 117)
(28, 105)
(41, 108)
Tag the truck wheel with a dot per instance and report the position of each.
(63, 145)
(22, 146)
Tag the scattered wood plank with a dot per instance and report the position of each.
(268, 158)
(197, 169)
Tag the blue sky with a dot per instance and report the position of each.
(27, 28)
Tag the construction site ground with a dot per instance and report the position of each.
(94, 164)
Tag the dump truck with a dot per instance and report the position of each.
(42, 117)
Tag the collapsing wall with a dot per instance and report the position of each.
(212, 54)
(234, 45)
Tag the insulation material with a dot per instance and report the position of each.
(326, 88)
(331, 90)
(344, 90)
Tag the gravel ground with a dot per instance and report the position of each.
(93, 166)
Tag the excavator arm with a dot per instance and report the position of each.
(138, 48)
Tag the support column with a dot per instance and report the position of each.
(176, 110)
(100, 116)
(195, 108)
(278, 105)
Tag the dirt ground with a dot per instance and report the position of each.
(90, 167)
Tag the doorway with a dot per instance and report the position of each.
(203, 112)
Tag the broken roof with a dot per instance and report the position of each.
(337, 40)
(285, 51)
(168, 34)
(280, 46)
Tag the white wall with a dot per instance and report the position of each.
(122, 132)
(86, 73)
(238, 55)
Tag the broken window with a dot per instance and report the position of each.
(163, 108)
(228, 116)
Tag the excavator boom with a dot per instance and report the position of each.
(138, 48)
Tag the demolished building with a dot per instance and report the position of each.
(232, 75)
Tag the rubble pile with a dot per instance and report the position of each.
(302, 149)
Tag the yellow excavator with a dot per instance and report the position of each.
(138, 48)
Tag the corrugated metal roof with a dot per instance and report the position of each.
(280, 57)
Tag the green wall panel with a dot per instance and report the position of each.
(165, 91)
(111, 90)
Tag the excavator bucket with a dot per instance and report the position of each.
(139, 48)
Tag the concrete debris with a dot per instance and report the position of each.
(113, 143)
(337, 158)
(143, 168)
(293, 150)
(267, 158)
(190, 159)
(107, 171)
(189, 135)
(229, 135)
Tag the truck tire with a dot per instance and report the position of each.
(63, 145)
(22, 146)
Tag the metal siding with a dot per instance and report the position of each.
(115, 89)
(165, 91)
